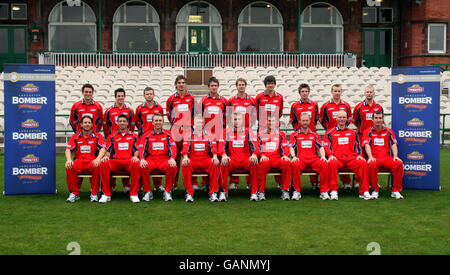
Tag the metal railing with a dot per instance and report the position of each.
(198, 59)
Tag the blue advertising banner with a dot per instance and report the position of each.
(30, 148)
(415, 121)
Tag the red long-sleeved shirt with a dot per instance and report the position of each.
(240, 144)
(144, 115)
(310, 107)
(380, 142)
(86, 148)
(199, 147)
(343, 144)
(266, 104)
(180, 110)
(214, 113)
(273, 145)
(122, 146)
(110, 119)
(363, 115)
(245, 106)
(329, 110)
(154, 144)
(307, 145)
(81, 109)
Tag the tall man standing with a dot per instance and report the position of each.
(89, 148)
(379, 142)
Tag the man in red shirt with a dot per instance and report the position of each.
(88, 148)
(200, 153)
(246, 106)
(328, 114)
(344, 150)
(305, 144)
(86, 107)
(110, 124)
(274, 153)
(378, 142)
(305, 106)
(180, 111)
(122, 155)
(363, 112)
(144, 115)
(269, 101)
(157, 151)
(239, 151)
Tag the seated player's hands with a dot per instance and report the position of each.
(323, 159)
(105, 159)
(135, 159)
(285, 158)
(185, 161)
(215, 160)
(371, 159)
(172, 162)
(69, 164)
(263, 158)
(397, 159)
(332, 158)
(143, 163)
(225, 160)
(360, 158)
(253, 159)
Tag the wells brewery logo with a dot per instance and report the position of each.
(29, 88)
(415, 156)
(415, 89)
(30, 158)
(30, 123)
(415, 122)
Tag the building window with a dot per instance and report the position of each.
(321, 28)
(437, 38)
(260, 28)
(136, 27)
(195, 18)
(19, 11)
(4, 11)
(369, 15)
(72, 28)
(386, 15)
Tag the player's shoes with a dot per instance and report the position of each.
(285, 195)
(160, 188)
(222, 196)
(104, 199)
(334, 196)
(296, 196)
(148, 196)
(374, 195)
(189, 198)
(195, 187)
(126, 189)
(94, 198)
(134, 199)
(396, 195)
(254, 197)
(347, 186)
(167, 196)
(261, 196)
(366, 196)
(72, 198)
(324, 196)
(232, 186)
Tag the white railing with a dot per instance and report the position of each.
(199, 60)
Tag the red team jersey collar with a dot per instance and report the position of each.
(84, 102)
(301, 101)
(245, 97)
(267, 94)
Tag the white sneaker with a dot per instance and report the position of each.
(261, 196)
(167, 196)
(374, 195)
(205, 187)
(189, 198)
(324, 196)
(232, 186)
(347, 186)
(148, 196)
(104, 199)
(134, 199)
(279, 186)
(222, 196)
(213, 197)
(253, 197)
(72, 198)
(296, 196)
(366, 196)
(356, 185)
(334, 196)
(126, 189)
(285, 195)
(160, 189)
(94, 198)
(396, 195)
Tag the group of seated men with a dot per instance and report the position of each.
(213, 137)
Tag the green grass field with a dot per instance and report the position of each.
(46, 224)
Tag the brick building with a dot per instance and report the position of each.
(381, 33)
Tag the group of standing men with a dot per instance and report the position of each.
(213, 136)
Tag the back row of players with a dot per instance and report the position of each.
(200, 135)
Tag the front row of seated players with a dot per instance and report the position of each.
(240, 151)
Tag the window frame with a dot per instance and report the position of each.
(7, 10)
(444, 40)
(376, 19)
(19, 4)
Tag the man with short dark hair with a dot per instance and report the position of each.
(86, 107)
(89, 148)
(122, 155)
(381, 147)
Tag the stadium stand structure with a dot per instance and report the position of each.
(134, 79)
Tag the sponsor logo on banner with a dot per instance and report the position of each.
(35, 138)
(29, 88)
(30, 158)
(415, 136)
(415, 156)
(415, 102)
(34, 103)
(34, 173)
(30, 123)
(415, 122)
(415, 89)
(420, 170)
